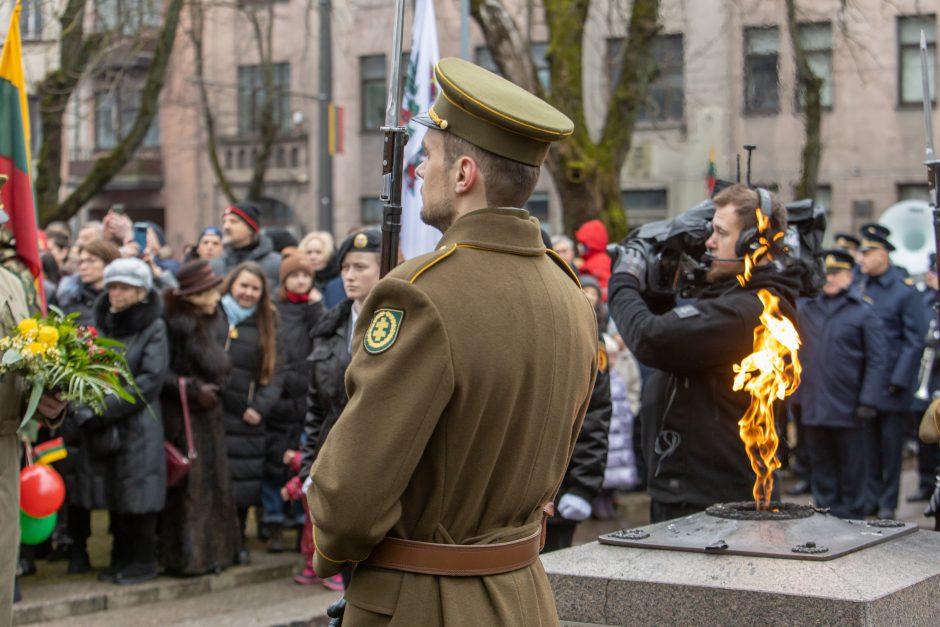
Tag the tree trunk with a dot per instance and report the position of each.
(267, 124)
(811, 88)
(196, 34)
(586, 174)
(108, 166)
(75, 54)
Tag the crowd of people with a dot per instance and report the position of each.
(240, 350)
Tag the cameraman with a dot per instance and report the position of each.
(689, 413)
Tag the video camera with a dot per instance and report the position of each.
(678, 263)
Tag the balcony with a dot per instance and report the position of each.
(289, 161)
(142, 173)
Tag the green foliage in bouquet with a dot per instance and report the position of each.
(52, 353)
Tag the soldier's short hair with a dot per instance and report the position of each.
(508, 183)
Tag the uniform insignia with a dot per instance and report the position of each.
(360, 241)
(908, 281)
(601, 359)
(686, 311)
(383, 331)
(868, 300)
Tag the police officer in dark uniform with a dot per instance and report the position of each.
(843, 370)
(902, 316)
(928, 455)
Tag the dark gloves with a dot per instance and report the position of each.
(933, 507)
(206, 395)
(630, 258)
(895, 390)
(865, 413)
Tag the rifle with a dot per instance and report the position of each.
(933, 166)
(393, 152)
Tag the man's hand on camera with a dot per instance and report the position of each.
(630, 258)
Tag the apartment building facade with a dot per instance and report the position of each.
(726, 78)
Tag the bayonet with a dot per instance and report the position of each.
(393, 151)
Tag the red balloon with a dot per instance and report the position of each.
(42, 491)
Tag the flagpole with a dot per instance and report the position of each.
(325, 159)
(465, 30)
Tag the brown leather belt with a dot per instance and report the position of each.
(460, 560)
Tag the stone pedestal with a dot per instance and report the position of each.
(895, 583)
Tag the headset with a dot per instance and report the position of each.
(750, 239)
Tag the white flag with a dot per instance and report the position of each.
(420, 89)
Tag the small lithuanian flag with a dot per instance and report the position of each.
(49, 452)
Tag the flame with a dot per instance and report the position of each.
(770, 373)
(763, 225)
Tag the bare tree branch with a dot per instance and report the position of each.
(811, 92)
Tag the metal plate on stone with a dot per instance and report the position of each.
(801, 539)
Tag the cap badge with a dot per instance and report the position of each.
(360, 241)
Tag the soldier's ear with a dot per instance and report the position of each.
(466, 174)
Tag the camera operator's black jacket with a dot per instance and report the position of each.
(689, 413)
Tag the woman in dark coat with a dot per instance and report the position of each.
(253, 386)
(332, 338)
(296, 318)
(199, 528)
(121, 464)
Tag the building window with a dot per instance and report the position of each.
(35, 125)
(115, 113)
(370, 210)
(913, 191)
(31, 19)
(665, 100)
(817, 44)
(644, 205)
(252, 94)
(824, 197)
(537, 206)
(910, 81)
(372, 91)
(128, 16)
(484, 58)
(761, 48)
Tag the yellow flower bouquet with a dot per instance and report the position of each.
(55, 354)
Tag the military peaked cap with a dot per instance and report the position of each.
(494, 114)
(838, 259)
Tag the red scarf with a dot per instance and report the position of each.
(296, 298)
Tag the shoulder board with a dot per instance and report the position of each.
(909, 281)
(563, 265)
(432, 260)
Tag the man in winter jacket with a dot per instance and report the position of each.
(843, 368)
(241, 231)
(690, 413)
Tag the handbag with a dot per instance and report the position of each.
(177, 464)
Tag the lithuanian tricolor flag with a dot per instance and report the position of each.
(14, 148)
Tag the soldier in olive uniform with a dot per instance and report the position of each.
(903, 319)
(13, 308)
(472, 371)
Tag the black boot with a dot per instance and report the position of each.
(121, 546)
(275, 538)
(78, 559)
(143, 550)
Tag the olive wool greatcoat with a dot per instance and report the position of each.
(471, 373)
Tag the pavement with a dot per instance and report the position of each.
(262, 593)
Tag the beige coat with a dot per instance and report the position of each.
(466, 397)
(13, 308)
